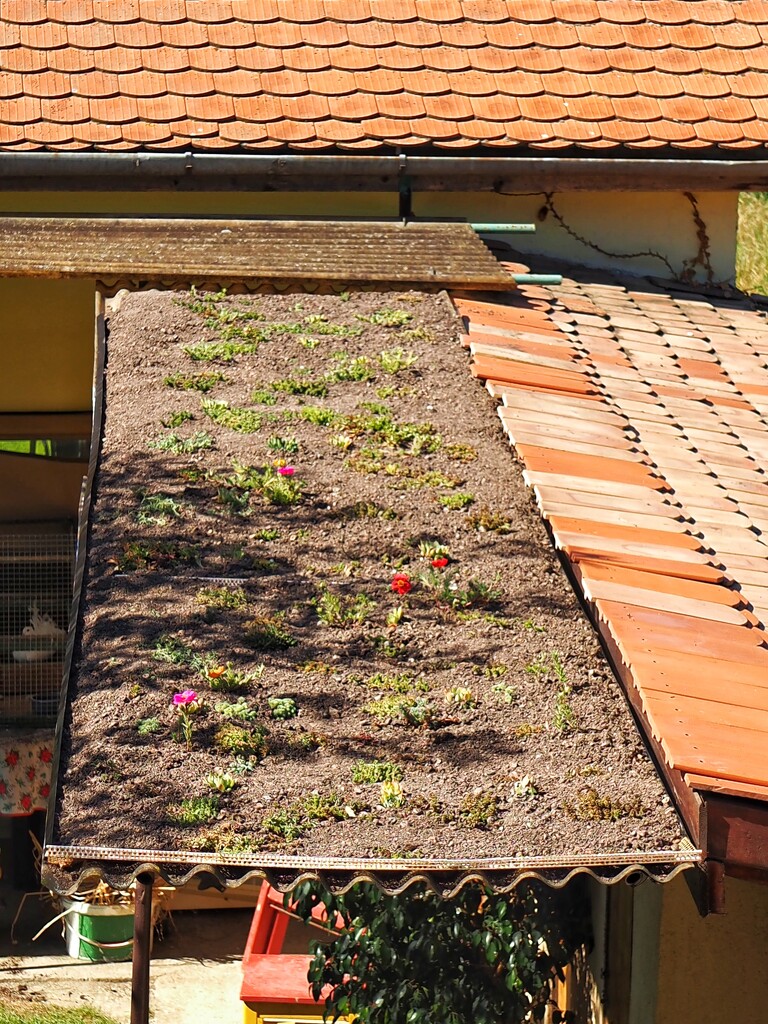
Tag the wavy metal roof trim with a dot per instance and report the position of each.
(66, 868)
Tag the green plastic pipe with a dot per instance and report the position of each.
(538, 278)
(504, 229)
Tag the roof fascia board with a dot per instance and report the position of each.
(293, 172)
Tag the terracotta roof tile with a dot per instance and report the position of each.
(681, 75)
(709, 443)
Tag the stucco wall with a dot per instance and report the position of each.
(46, 345)
(617, 222)
(713, 969)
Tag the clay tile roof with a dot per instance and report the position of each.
(638, 415)
(667, 57)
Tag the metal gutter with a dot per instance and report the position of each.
(195, 171)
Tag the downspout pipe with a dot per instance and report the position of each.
(92, 171)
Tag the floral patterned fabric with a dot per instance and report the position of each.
(25, 772)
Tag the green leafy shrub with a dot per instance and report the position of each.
(283, 708)
(341, 610)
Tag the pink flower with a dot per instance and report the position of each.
(401, 583)
(286, 470)
(184, 698)
(439, 563)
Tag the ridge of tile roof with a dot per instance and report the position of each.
(638, 414)
(360, 74)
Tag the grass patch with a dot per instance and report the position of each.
(244, 421)
(195, 810)
(198, 442)
(339, 610)
(157, 509)
(222, 597)
(376, 771)
(752, 243)
(204, 382)
(268, 633)
(12, 1013)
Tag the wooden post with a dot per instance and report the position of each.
(142, 940)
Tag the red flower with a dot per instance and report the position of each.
(44, 791)
(401, 583)
(26, 802)
(12, 758)
(45, 755)
(3, 788)
(439, 563)
(30, 774)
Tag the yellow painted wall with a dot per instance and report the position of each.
(46, 345)
(617, 222)
(714, 969)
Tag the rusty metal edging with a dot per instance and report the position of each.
(73, 633)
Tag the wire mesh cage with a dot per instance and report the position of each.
(36, 570)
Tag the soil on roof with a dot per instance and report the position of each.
(473, 716)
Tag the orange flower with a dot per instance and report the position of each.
(216, 673)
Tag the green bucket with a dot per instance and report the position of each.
(98, 932)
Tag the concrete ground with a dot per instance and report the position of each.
(194, 976)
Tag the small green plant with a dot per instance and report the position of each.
(148, 726)
(177, 419)
(494, 670)
(402, 682)
(268, 633)
(396, 616)
(172, 650)
(486, 521)
(416, 711)
(341, 441)
(350, 369)
(283, 445)
(301, 386)
(456, 502)
(198, 442)
(240, 741)
(461, 452)
(376, 771)
(392, 794)
(368, 510)
(238, 710)
(196, 810)
(477, 809)
(318, 415)
(525, 730)
(243, 421)
(563, 718)
(393, 360)
(230, 598)
(220, 351)
(222, 782)
(145, 556)
(386, 318)
(267, 534)
(283, 708)
(433, 549)
(204, 382)
(299, 818)
(508, 694)
(286, 823)
(524, 788)
(226, 679)
(591, 806)
(412, 334)
(261, 396)
(341, 610)
(462, 696)
(445, 589)
(157, 509)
